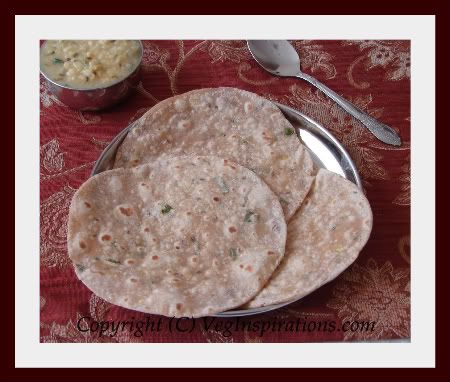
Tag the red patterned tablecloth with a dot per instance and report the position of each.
(375, 75)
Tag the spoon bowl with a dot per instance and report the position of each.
(276, 56)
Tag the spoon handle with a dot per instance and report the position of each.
(383, 132)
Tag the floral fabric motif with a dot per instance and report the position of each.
(221, 51)
(394, 56)
(53, 222)
(52, 160)
(373, 293)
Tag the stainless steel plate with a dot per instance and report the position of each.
(325, 151)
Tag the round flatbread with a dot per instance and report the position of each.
(324, 237)
(182, 236)
(230, 123)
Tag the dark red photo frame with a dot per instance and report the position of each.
(431, 7)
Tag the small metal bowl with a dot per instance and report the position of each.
(96, 98)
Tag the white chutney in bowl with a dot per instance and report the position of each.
(90, 74)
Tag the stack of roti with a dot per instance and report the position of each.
(213, 204)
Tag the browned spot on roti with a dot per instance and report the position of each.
(227, 163)
(155, 257)
(194, 259)
(249, 268)
(88, 205)
(106, 237)
(179, 306)
(146, 229)
(232, 229)
(216, 199)
(241, 266)
(135, 162)
(130, 262)
(127, 211)
(270, 253)
(82, 244)
(133, 280)
(267, 137)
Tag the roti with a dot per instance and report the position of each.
(324, 237)
(230, 123)
(182, 236)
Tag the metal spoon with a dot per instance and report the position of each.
(280, 58)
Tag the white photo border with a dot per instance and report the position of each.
(420, 352)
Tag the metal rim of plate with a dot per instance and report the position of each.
(325, 150)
